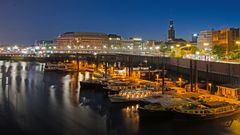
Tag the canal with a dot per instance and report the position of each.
(34, 102)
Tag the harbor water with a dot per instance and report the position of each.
(34, 102)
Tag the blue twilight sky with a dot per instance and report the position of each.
(24, 21)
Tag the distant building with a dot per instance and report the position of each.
(114, 42)
(226, 38)
(171, 31)
(194, 38)
(204, 40)
(44, 43)
(137, 43)
(82, 40)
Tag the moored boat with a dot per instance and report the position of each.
(53, 66)
(130, 96)
(201, 112)
(92, 84)
(155, 111)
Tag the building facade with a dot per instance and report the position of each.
(204, 40)
(194, 38)
(114, 42)
(82, 40)
(226, 38)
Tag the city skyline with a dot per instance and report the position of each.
(26, 21)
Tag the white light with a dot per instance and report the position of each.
(137, 39)
(197, 53)
(15, 47)
(37, 47)
(157, 47)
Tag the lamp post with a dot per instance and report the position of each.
(206, 45)
(180, 80)
(186, 46)
(210, 87)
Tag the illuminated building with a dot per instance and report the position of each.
(194, 38)
(204, 40)
(114, 42)
(82, 40)
(226, 37)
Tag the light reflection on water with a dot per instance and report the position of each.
(37, 102)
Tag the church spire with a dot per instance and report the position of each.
(171, 31)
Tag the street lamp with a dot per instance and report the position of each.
(188, 45)
(210, 87)
(206, 48)
(180, 80)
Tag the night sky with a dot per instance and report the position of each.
(24, 21)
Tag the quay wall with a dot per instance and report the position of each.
(219, 72)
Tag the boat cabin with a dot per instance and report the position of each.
(177, 90)
(228, 91)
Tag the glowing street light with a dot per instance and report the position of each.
(238, 42)
(188, 45)
(210, 87)
(180, 80)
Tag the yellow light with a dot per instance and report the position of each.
(180, 79)
(238, 42)
(206, 44)
(177, 45)
(188, 45)
(210, 84)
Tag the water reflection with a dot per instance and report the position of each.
(37, 102)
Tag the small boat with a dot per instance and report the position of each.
(92, 84)
(201, 112)
(53, 66)
(131, 96)
(67, 67)
(59, 67)
(154, 111)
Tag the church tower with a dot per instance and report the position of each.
(171, 31)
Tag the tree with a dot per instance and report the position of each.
(194, 49)
(219, 51)
(234, 52)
